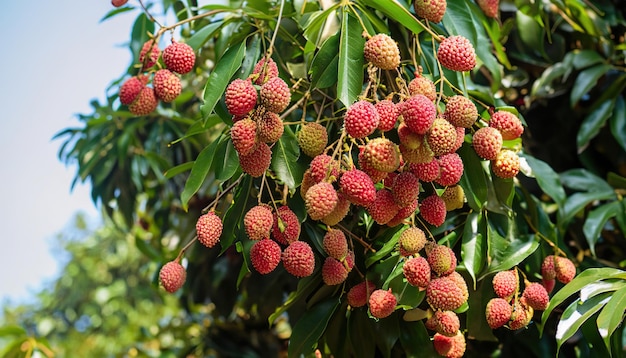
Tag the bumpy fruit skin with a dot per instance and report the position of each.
(450, 169)
(359, 294)
(240, 97)
(508, 124)
(433, 210)
(324, 167)
(167, 85)
(446, 323)
(179, 57)
(145, 103)
(444, 294)
(459, 281)
(506, 165)
(521, 316)
(457, 53)
(403, 214)
(172, 276)
(312, 139)
(548, 271)
(565, 270)
(269, 127)
(118, 3)
(454, 197)
(489, 7)
(358, 187)
(424, 86)
(412, 240)
(383, 208)
(361, 119)
(333, 272)
(405, 188)
(487, 143)
(382, 51)
(419, 113)
(536, 296)
(298, 259)
(258, 161)
(450, 347)
(548, 284)
(339, 212)
(335, 244)
(275, 95)
(258, 222)
(431, 10)
(409, 138)
(441, 137)
(441, 260)
(364, 165)
(264, 69)
(320, 200)
(243, 135)
(149, 54)
(265, 256)
(131, 88)
(505, 283)
(460, 111)
(286, 227)
(417, 272)
(382, 303)
(382, 154)
(498, 312)
(426, 172)
(209, 229)
(388, 114)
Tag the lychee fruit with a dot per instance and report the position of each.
(450, 347)
(548, 271)
(118, 3)
(145, 103)
(382, 51)
(358, 187)
(335, 244)
(388, 114)
(441, 137)
(298, 259)
(149, 54)
(361, 119)
(172, 276)
(548, 284)
(265, 255)
(521, 316)
(320, 200)
(258, 161)
(460, 139)
(270, 127)
(286, 227)
(240, 97)
(209, 229)
(417, 272)
(433, 210)
(312, 139)
(460, 111)
(364, 165)
(131, 88)
(457, 53)
(403, 214)
(179, 57)
(384, 207)
(419, 113)
(487, 142)
(258, 222)
(405, 188)
(508, 124)
(382, 303)
(489, 7)
(264, 69)
(426, 172)
(409, 138)
(431, 10)
(450, 169)
(382, 154)
(243, 135)
(446, 323)
(275, 95)
(565, 269)
(424, 86)
(339, 212)
(506, 164)
(498, 312)
(443, 294)
(441, 260)
(412, 240)
(333, 272)
(536, 296)
(359, 294)
(324, 167)
(505, 283)
(459, 281)
(167, 85)
(454, 197)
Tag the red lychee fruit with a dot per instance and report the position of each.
(521, 316)
(460, 139)
(258, 222)
(412, 240)
(403, 214)
(450, 169)
(382, 154)
(361, 119)
(433, 210)
(388, 114)
(320, 200)
(506, 164)
(460, 111)
(382, 303)
(419, 113)
(487, 142)
(426, 172)
(258, 161)
(145, 103)
(240, 97)
(264, 69)
(424, 86)
(358, 187)
(565, 269)
(409, 138)
(131, 88)
(243, 135)
(323, 167)
(339, 212)
(441, 137)
(548, 284)
(417, 272)
(149, 54)
(489, 7)
(333, 272)
(335, 244)
(498, 312)
(382, 51)
(179, 57)
(270, 127)
(172, 276)
(275, 95)
(167, 85)
(209, 229)
(444, 294)
(450, 347)
(547, 267)
(454, 197)
(459, 281)
(359, 294)
(286, 227)
(298, 259)
(312, 139)
(431, 10)
(441, 260)
(265, 255)
(405, 188)
(118, 3)
(446, 323)
(364, 165)
(536, 296)
(508, 124)
(383, 208)
(457, 53)
(505, 283)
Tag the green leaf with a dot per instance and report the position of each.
(458, 20)
(361, 334)
(325, 64)
(547, 179)
(577, 202)
(472, 247)
(229, 165)
(219, 79)
(235, 213)
(576, 314)
(201, 36)
(596, 220)
(586, 58)
(198, 173)
(617, 122)
(12, 330)
(586, 80)
(147, 249)
(583, 180)
(310, 327)
(179, 169)
(306, 286)
(474, 178)
(592, 124)
(390, 238)
(394, 10)
(415, 340)
(612, 315)
(285, 160)
(351, 44)
(139, 35)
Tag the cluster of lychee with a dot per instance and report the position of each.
(514, 310)
(255, 104)
(433, 10)
(178, 59)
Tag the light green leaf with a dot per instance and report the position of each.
(351, 44)
(596, 220)
(586, 80)
(472, 248)
(394, 10)
(227, 167)
(285, 160)
(576, 314)
(612, 315)
(201, 36)
(592, 124)
(617, 122)
(310, 327)
(198, 173)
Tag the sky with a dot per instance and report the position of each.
(56, 58)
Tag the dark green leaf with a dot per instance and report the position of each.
(596, 220)
(472, 248)
(326, 63)
(474, 178)
(612, 315)
(416, 341)
(616, 181)
(147, 249)
(583, 180)
(617, 122)
(227, 166)
(198, 173)
(586, 80)
(578, 202)
(361, 334)
(351, 44)
(547, 179)
(390, 239)
(593, 123)
(310, 327)
(477, 326)
(139, 35)
(235, 213)
(285, 160)
(395, 10)
(576, 314)
(586, 58)
(305, 287)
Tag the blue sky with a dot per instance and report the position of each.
(56, 57)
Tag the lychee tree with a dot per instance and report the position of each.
(355, 172)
